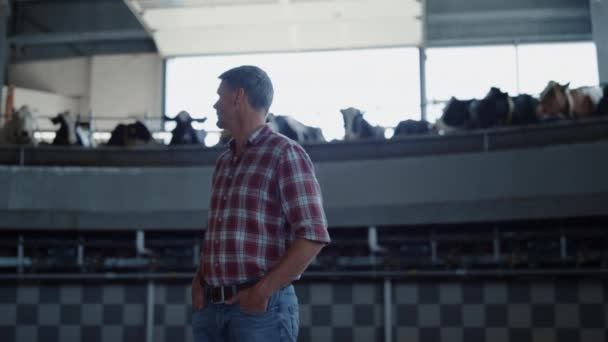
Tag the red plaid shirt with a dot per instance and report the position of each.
(261, 203)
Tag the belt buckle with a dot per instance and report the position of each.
(221, 296)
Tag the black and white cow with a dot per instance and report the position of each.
(412, 127)
(492, 110)
(497, 108)
(602, 106)
(19, 130)
(130, 135)
(456, 116)
(71, 130)
(356, 127)
(184, 133)
(294, 130)
(524, 110)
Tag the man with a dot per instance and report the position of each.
(266, 222)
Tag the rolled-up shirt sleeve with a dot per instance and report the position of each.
(300, 195)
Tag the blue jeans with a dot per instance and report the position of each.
(229, 323)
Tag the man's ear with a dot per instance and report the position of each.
(239, 96)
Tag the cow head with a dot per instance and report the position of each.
(411, 127)
(553, 100)
(184, 118)
(524, 109)
(271, 121)
(66, 135)
(138, 133)
(493, 109)
(353, 120)
(456, 113)
(21, 127)
(602, 106)
(184, 133)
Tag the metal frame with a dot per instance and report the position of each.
(495, 139)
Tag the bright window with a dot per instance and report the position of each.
(571, 62)
(467, 72)
(312, 87)
(470, 72)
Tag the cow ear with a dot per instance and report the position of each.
(566, 86)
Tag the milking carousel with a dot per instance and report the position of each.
(458, 148)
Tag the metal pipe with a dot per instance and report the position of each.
(408, 274)
(422, 61)
(496, 245)
(434, 258)
(422, 70)
(80, 255)
(4, 14)
(150, 312)
(388, 310)
(20, 259)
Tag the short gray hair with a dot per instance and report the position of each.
(254, 81)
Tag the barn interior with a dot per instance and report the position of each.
(474, 225)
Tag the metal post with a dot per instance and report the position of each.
(80, 256)
(196, 252)
(433, 241)
(422, 62)
(372, 243)
(4, 14)
(434, 259)
(563, 244)
(517, 69)
(20, 259)
(496, 245)
(150, 313)
(388, 311)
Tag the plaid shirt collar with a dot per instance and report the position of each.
(254, 139)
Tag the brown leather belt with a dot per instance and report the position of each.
(220, 294)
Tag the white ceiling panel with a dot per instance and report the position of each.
(197, 27)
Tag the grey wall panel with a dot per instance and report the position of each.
(599, 13)
(544, 182)
(499, 22)
(568, 170)
(108, 220)
(470, 211)
(450, 6)
(74, 16)
(6, 180)
(108, 189)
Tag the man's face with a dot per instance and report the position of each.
(225, 106)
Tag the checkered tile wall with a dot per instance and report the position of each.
(71, 313)
(427, 311)
(568, 311)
